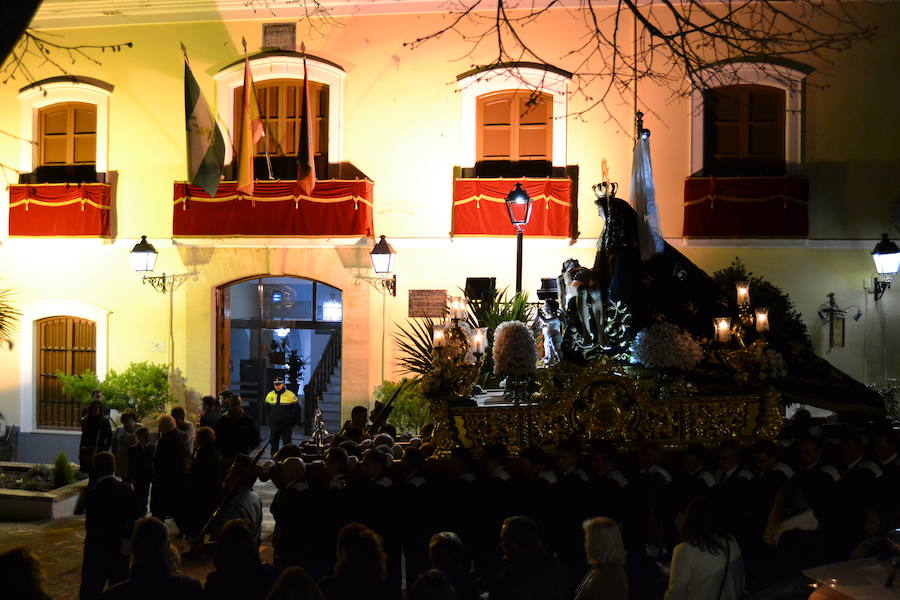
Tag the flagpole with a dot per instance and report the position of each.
(264, 136)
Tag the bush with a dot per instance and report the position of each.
(143, 387)
(410, 408)
(79, 387)
(63, 473)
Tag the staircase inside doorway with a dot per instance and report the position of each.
(330, 404)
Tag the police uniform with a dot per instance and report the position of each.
(282, 413)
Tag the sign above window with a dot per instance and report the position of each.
(282, 36)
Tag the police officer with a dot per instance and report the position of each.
(283, 405)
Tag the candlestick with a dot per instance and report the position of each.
(479, 340)
(458, 308)
(743, 293)
(722, 327)
(440, 337)
(762, 320)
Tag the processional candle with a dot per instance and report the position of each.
(458, 308)
(743, 293)
(479, 340)
(762, 320)
(722, 326)
(440, 337)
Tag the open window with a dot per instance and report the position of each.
(278, 79)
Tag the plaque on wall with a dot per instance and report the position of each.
(428, 303)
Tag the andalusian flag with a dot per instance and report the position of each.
(206, 147)
(251, 131)
(306, 165)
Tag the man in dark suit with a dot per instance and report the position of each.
(140, 469)
(109, 518)
(170, 464)
(236, 433)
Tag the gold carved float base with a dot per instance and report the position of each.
(624, 406)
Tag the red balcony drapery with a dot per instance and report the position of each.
(479, 207)
(746, 207)
(59, 210)
(336, 208)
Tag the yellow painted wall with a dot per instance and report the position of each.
(402, 128)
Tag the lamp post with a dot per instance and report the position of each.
(143, 259)
(518, 206)
(887, 262)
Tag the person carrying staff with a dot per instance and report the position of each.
(282, 404)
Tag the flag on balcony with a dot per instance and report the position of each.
(306, 166)
(206, 146)
(251, 131)
(643, 200)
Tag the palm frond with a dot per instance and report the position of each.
(415, 345)
(9, 316)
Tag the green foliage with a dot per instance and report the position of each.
(410, 409)
(490, 312)
(63, 473)
(79, 387)
(416, 343)
(784, 318)
(8, 318)
(143, 387)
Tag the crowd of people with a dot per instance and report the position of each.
(379, 518)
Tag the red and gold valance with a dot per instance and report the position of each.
(335, 208)
(479, 207)
(59, 210)
(746, 207)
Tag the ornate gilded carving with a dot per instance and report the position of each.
(625, 406)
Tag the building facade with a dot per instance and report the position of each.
(800, 186)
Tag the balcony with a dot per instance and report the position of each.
(746, 207)
(479, 207)
(59, 210)
(336, 208)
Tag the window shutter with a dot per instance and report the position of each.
(67, 134)
(514, 125)
(744, 130)
(69, 345)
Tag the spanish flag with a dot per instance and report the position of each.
(306, 165)
(205, 144)
(251, 131)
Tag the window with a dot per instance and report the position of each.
(67, 134)
(516, 112)
(514, 125)
(67, 345)
(68, 117)
(284, 70)
(735, 120)
(743, 131)
(280, 104)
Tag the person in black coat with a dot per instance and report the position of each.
(204, 483)
(239, 574)
(109, 518)
(236, 433)
(96, 432)
(153, 574)
(170, 462)
(140, 469)
(530, 571)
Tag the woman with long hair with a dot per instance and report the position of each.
(96, 433)
(606, 579)
(707, 564)
(239, 573)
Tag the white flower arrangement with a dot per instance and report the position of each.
(771, 363)
(515, 351)
(666, 345)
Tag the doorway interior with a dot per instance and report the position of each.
(272, 327)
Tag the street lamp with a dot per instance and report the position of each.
(143, 256)
(382, 256)
(887, 262)
(518, 205)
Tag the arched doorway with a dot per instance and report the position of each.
(270, 327)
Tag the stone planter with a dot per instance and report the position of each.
(25, 505)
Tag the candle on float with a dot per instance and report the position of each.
(743, 293)
(439, 338)
(479, 340)
(457, 308)
(762, 320)
(722, 326)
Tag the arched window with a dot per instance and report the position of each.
(68, 118)
(516, 110)
(743, 131)
(741, 112)
(283, 71)
(514, 125)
